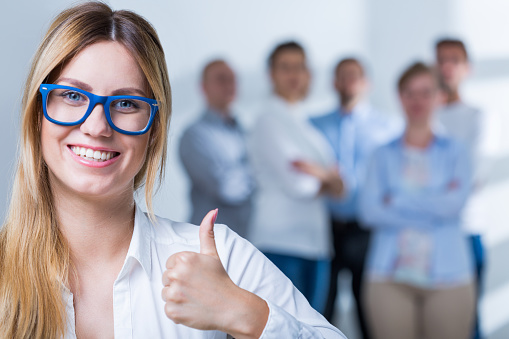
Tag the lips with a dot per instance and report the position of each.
(93, 154)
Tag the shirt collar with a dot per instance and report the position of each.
(140, 246)
(438, 140)
(358, 112)
(215, 116)
(139, 249)
(295, 110)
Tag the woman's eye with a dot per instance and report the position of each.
(74, 96)
(125, 105)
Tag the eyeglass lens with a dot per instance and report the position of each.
(70, 106)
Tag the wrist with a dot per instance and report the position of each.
(335, 184)
(247, 318)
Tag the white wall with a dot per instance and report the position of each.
(192, 32)
(387, 34)
(401, 32)
(21, 30)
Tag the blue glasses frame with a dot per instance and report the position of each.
(94, 100)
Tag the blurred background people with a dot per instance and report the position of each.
(464, 123)
(353, 130)
(419, 280)
(290, 221)
(213, 152)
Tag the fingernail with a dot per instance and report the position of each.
(215, 216)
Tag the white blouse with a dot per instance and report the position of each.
(139, 309)
(289, 217)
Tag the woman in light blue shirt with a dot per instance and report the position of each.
(419, 270)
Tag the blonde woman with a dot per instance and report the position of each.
(78, 258)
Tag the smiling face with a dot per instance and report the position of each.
(71, 152)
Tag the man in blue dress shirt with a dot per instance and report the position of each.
(213, 152)
(353, 130)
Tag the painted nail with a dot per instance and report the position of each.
(215, 216)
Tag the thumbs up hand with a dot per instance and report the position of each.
(207, 240)
(199, 293)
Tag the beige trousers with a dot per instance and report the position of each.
(400, 311)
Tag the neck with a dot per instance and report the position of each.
(453, 96)
(348, 104)
(97, 231)
(418, 136)
(224, 110)
(290, 98)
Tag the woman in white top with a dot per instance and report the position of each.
(78, 258)
(291, 223)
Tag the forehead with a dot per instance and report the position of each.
(420, 81)
(105, 66)
(349, 67)
(219, 68)
(451, 51)
(289, 56)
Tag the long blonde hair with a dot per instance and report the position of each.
(34, 257)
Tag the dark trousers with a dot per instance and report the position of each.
(350, 246)
(479, 262)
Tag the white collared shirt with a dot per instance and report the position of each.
(138, 310)
(289, 217)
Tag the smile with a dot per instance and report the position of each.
(93, 155)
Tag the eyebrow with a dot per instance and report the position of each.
(88, 88)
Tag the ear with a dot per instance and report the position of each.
(400, 96)
(335, 82)
(272, 73)
(309, 74)
(367, 84)
(468, 68)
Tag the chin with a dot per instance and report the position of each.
(93, 191)
(91, 187)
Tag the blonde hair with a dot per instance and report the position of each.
(34, 257)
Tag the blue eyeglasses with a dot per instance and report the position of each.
(70, 106)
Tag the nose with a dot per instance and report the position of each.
(96, 124)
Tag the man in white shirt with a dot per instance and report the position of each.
(290, 221)
(463, 123)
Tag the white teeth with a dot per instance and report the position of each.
(91, 154)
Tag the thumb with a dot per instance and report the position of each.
(207, 241)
